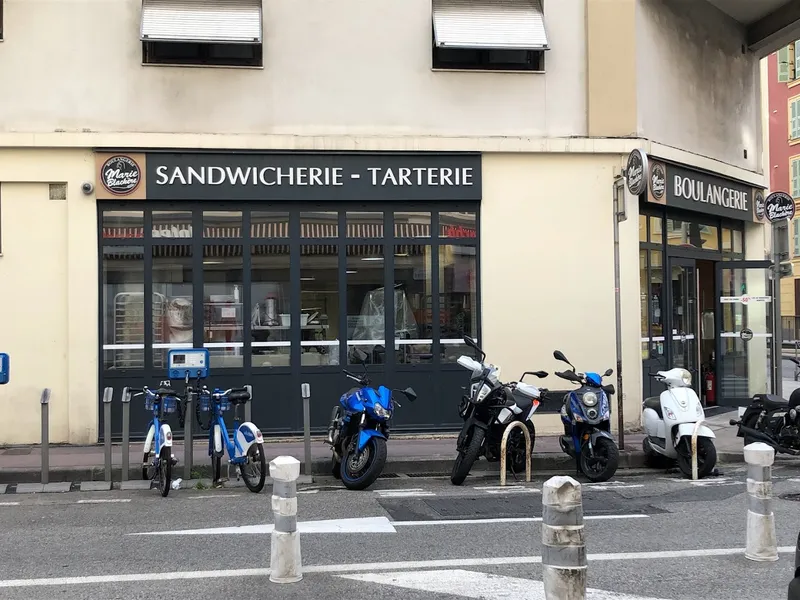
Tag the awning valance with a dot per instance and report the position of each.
(489, 24)
(206, 21)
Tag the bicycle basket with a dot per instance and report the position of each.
(149, 401)
(169, 404)
(204, 402)
(224, 404)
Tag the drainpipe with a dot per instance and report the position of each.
(619, 216)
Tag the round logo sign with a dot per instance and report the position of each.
(779, 206)
(759, 205)
(636, 172)
(658, 181)
(746, 334)
(120, 175)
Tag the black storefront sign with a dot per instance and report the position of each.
(779, 206)
(711, 194)
(313, 177)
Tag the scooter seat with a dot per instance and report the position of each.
(771, 401)
(654, 404)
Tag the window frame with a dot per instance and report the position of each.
(793, 117)
(256, 62)
(794, 176)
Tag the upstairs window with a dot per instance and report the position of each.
(787, 62)
(202, 33)
(489, 35)
(794, 118)
(795, 177)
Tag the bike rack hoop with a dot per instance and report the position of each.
(528, 449)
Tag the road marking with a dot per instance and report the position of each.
(9, 503)
(307, 491)
(605, 486)
(103, 500)
(362, 525)
(409, 493)
(371, 567)
(473, 584)
(203, 497)
(506, 489)
(507, 520)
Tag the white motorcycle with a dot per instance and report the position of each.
(670, 421)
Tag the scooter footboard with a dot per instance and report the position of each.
(246, 435)
(165, 436)
(148, 442)
(687, 429)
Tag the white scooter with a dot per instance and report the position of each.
(670, 421)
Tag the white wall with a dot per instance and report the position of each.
(352, 66)
(696, 89)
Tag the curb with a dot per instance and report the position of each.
(398, 468)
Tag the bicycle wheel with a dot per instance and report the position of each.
(165, 471)
(254, 470)
(216, 469)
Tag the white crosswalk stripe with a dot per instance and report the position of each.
(407, 493)
(508, 489)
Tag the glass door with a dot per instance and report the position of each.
(683, 334)
(744, 331)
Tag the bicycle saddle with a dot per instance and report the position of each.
(164, 392)
(239, 396)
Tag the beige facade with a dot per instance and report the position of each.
(357, 76)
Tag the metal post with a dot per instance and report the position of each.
(619, 215)
(780, 252)
(564, 562)
(285, 558)
(248, 406)
(762, 544)
(305, 390)
(188, 442)
(108, 396)
(126, 433)
(45, 400)
(503, 444)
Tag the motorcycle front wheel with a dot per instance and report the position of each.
(359, 470)
(706, 457)
(515, 448)
(603, 465)
(466, 458)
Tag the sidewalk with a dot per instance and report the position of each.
(408, 456)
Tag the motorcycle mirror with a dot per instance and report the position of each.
(539, 374)
(609, 389)
(410, 394)
(608, 372)
(470, 342)
(558, 355)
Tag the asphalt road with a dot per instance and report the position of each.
(651, 536)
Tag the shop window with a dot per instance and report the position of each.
(123, 307)
(173, 300)
(202, 54)
(412, 224)
(413, 324)
(122, 224)
(457, 225)
(269, 225)
(365, 303)
(319, 224)
(362, 224)
(270, 298)
(222, 305)
(794, 118)
(222, 224)
(172, 224)
(319, 305)
(656, 304)
(644, 286)
(656, 234)
(492, 59)
(642, 228)
(692, 235)
(795, 177)
(458, 313)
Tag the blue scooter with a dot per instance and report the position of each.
(586, 415)
(359, 429)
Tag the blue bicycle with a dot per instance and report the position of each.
(246, 444)
(157, 461)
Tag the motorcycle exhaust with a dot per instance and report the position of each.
(767, 440)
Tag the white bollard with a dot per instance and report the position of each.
(563, 545)
(762, 544)
(285, 563)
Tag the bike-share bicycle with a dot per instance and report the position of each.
(157, 461)
(246, 444)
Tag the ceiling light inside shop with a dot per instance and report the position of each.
(401, 254)
(306, 279)
(213, 262)
(372, 258)
(351, 272)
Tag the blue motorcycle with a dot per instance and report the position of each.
(586, 415)
(359, 429)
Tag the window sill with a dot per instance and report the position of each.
(517, 72)
(793, 83)
(180, 65)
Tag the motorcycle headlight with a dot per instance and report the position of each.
(698, 409)
(592, 413)
(589, 399)
(382, 412)
(686, 377)
(485, 389)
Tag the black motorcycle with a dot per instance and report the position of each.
(772, 420)
(487, 408)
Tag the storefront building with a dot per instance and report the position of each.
(706, 295)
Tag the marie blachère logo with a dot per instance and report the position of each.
(120, 175)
